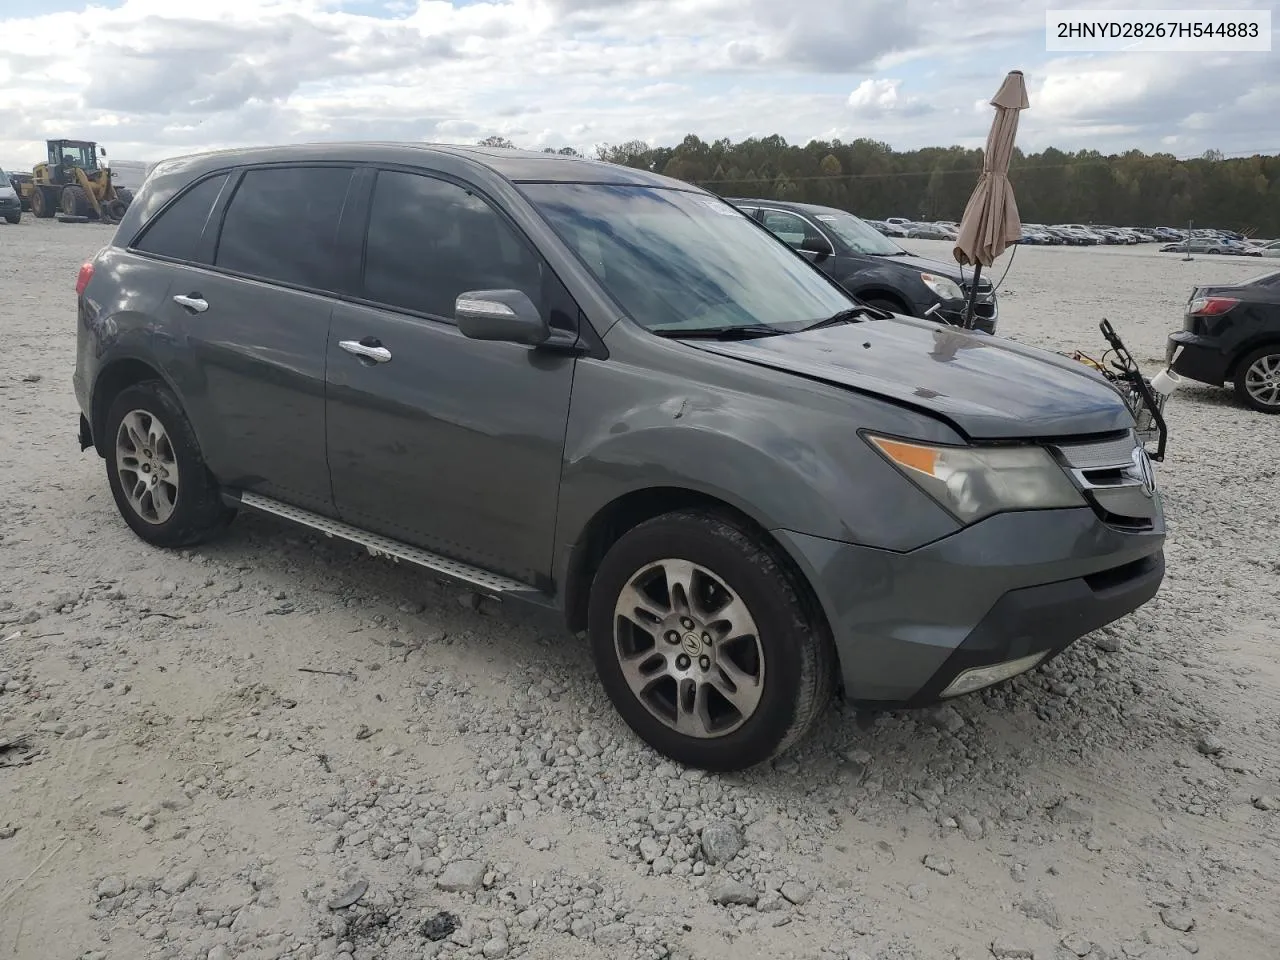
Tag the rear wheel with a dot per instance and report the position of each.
(158, 477)
(75, 202)
(704, 643)
(44, 202)
(1257, 379)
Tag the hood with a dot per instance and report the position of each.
(6, 190)
(951, 271)
(988, 388)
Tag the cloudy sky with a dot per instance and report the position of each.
(154, 78)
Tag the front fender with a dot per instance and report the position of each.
(782, 449)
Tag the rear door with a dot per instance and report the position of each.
(255, 322)
(448, 443)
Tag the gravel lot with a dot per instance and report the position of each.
(185, 790)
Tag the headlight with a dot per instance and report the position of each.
(944, 288)
(976, 482)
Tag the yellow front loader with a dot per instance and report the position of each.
(72, 183)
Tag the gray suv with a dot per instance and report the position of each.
(612, 394)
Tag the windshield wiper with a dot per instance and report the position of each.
(847, 316)
(898, 253)
(748, 331)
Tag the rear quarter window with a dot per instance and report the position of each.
(282, 225)
(175, 232)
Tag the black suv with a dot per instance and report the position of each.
(871, 266)
(614, 395)
(1231, 334)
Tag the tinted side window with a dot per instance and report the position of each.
(282, 224)
(790, 228)
(430, 240)
(176, 231)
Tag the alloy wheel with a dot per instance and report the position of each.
(1262, 380)
(147, 466)
(689, 648)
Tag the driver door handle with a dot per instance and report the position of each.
(194, 302)
(377, 353)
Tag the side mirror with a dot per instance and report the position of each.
(815, 245)
(500, 315)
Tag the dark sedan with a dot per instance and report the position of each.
(873, 267)
(1231, 334)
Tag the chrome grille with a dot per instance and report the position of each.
(1099, 453)
(1116, 477)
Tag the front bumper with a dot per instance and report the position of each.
(1201, 359)
(986, 312)
(906, 625)
(10, 206)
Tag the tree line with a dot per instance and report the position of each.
(875, 181)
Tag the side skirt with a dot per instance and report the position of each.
(492, 585)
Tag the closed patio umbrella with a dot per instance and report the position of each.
(990, 222)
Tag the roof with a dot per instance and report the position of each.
(786, 204)
(515, 165)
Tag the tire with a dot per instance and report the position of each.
(75, 202)
(125, 195)
(1257, 379)
(784, 643)
(885, 303)
(44, 202)
(168, 514)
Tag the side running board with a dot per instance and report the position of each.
(482, 581)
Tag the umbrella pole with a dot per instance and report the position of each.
(973, 297)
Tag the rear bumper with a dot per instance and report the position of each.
(906, 625)
(1201, 359)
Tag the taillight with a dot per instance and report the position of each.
(85, 275)
(1210, 306)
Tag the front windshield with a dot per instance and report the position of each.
(676, 260)
(858, 235)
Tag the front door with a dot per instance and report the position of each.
(448, 443)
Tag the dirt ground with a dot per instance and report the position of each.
(279, 747)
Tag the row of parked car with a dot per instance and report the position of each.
(1082, 235)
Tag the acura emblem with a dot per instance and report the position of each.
(1146, 472)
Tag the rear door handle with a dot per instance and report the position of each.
(379, 353)
(193, 302)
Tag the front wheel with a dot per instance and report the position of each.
(704, 644)
(1257, 379)
(161, 485)
(884, 303)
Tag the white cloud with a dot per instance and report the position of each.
(151, 78)
(876, 98)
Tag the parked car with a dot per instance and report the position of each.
(890, 229)
(1196, 245)
(1271, 249)
(873, 267)
(1037, 235)
(10, 204)
(930, 231)
(611, 394)
(1231, 334)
